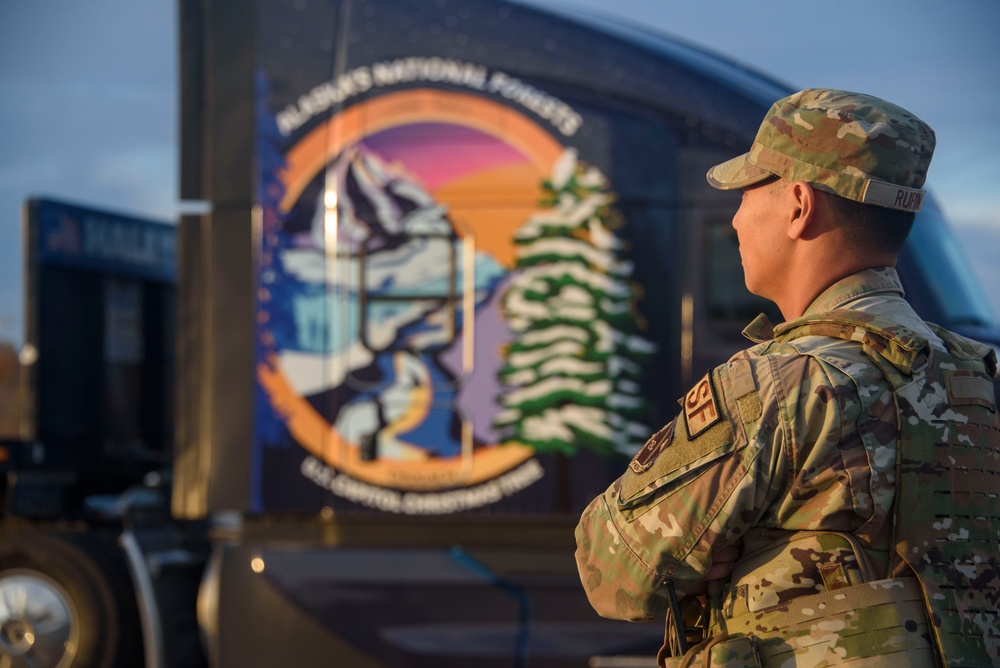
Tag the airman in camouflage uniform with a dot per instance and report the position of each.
(828, 496)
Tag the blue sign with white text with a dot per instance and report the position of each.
(87, 239)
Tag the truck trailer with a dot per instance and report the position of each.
(443, 267)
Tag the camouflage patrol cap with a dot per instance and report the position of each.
(849, 144)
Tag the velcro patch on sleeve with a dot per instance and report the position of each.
(669, 463)
(701, 408)
(744, 388)
(705, 435)
(656, 443)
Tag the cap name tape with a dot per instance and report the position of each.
(892, 196)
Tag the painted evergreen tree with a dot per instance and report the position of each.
(570, 376)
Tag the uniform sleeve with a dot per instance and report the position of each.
(694, 487)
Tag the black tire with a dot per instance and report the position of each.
(65, 602)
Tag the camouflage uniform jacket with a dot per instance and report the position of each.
(776, 441)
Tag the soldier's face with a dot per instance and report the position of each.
(760, 230)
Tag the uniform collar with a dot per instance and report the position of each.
(883, 280)
(840, 295)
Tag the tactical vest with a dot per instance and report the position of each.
(946, 528)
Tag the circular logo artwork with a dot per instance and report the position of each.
(432, 283)
(399, 218)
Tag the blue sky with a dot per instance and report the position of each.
(89, 104)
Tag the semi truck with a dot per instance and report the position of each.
(443, 267)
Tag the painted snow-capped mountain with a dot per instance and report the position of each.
(380, 268)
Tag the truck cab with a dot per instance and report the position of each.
(443, 269)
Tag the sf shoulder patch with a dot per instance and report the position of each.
(701, 408)
(657, 442)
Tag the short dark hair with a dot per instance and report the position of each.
(871, 228)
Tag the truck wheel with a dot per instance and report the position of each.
(65, 603)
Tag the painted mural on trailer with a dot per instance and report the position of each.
(443, 295)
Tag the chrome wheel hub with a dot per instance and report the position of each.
(39, 626)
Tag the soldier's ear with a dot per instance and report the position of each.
(802, 210)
